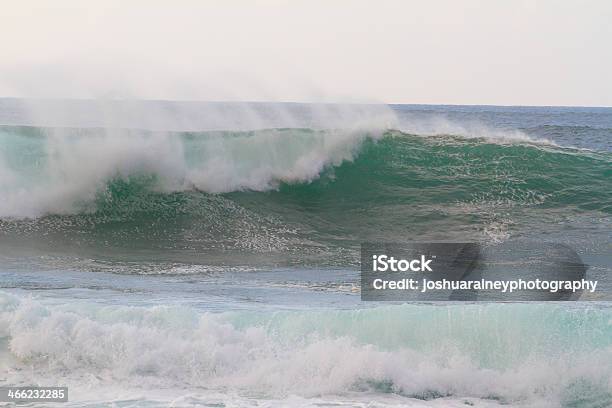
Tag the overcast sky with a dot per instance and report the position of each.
(441, 51)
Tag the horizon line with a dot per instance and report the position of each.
(91, 99)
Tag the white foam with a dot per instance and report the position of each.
(90, 346)
(439, 125)
(74, 170)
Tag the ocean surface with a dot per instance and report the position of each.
(207, 254)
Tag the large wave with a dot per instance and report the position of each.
(305, 191)
(65, 171)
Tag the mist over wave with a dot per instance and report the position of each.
(62, 167)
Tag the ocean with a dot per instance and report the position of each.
(207, 254)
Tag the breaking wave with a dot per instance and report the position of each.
(58, 171)
(306, 192)
(508, 353)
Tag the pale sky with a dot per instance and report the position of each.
(440, 52)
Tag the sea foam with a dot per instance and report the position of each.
(510, 353)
